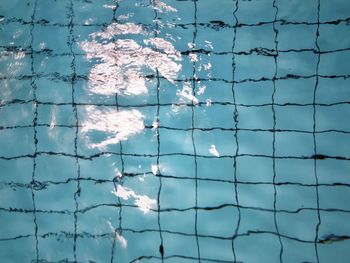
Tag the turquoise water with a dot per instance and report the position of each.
(174, 131)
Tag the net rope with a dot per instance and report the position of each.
(74, 77)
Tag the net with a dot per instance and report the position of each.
(249, 164)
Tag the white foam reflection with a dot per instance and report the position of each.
(162, 7)
(193, 57)
(187, 93)
(121, 240)
(208, 44)
(12, 62)
(119, 125)
(154, 169)
(53, 117)
(123, 56)
(118, 174)
(125, 62)
(201, 90)
(109, 6)
(208, 102)
(214, 151)
(143, 202)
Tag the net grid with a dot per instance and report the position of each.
(233, 129)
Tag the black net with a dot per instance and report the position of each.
(209, 206)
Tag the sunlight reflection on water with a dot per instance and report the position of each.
(123, 55)
(144, 202)
(119, 125)
(124, 62)
(121, 66)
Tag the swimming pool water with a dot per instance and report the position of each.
(174, 131)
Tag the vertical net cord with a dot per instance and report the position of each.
(120, 181)
(235, 118)
(117, 230)
(75, 110)
(314, 130)
(35, 118)
(194, 79)
(161, 246)
(274, 131)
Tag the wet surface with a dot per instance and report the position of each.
(177, 131)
